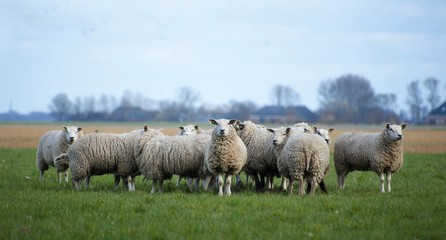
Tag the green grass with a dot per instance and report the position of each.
(416, 209)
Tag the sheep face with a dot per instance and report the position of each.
(223, 127)
(280, 135)
(72, 133)
(395, 132)
(324, 133)
(188, 130)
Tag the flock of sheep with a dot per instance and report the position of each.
(294, 153)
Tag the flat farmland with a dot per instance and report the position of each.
(419, 139)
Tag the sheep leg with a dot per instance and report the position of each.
(59, 180)
(220, 184)
(313, 185)
(130, 184)
(87, 182)
(270, 180)
(389, 179)
(197, 184)
(301, 185)
(154, 182)
(323, 187)
(255, 176)
(179, 180)
(238, 181)
(228, 180)
(76, 184)
(206, 182)
(161, 185)
(381, 180)
(290, 185)
(341, 179)
(66, 176)
(41, 175)
(117, 180)
(284, 183)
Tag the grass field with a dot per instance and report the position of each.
(415, 209)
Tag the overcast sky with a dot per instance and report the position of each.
(225, 50)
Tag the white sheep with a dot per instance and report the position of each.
(225, 154)
(261, 156)
(52, 144)
(163, 156)
(381, 153)
(281, 137)
(187, 130)
(105, 153)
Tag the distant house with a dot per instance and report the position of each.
(437, 116)
(281, 115)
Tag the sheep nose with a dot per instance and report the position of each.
(71, 138)
(222, 131)
(275, 142)
(400, 136)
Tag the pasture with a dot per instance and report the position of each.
(29, 209)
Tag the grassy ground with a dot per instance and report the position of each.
(32, 210)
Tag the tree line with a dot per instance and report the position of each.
(347, 99)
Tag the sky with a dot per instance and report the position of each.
(224, 50)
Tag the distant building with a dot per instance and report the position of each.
(282, 115)
(437, 116)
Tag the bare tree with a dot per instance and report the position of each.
(103, 103)
(346, 99)
(60, 107)
(241, 110)
(415, 101)
(187, 98)
(284, 96)
(433, 98)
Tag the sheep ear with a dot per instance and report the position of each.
(331, 130)
(79, 129)
(288, 130)
(241, 126)
(196, 127)
(306, 130)
(314, 128)
(232, 121)
(404, 125)
(182, 128)
(270, 130)
(146, 128)
(388, 125)
(212, 121)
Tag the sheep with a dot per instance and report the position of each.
(186, 131)
(304, 156)
(163, 156)
(281, 136)
(225, 153)
(52, 144)
(102, 153)
(381, 153)
(261, 157)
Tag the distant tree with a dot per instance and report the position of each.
(433, 98)
(168, 111)
(60, 107)
(415, 101)
(284, 96)
(241, 110)
(186, 100)
(346, 99)
(103, 104)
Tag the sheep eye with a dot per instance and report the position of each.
(391, 129)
